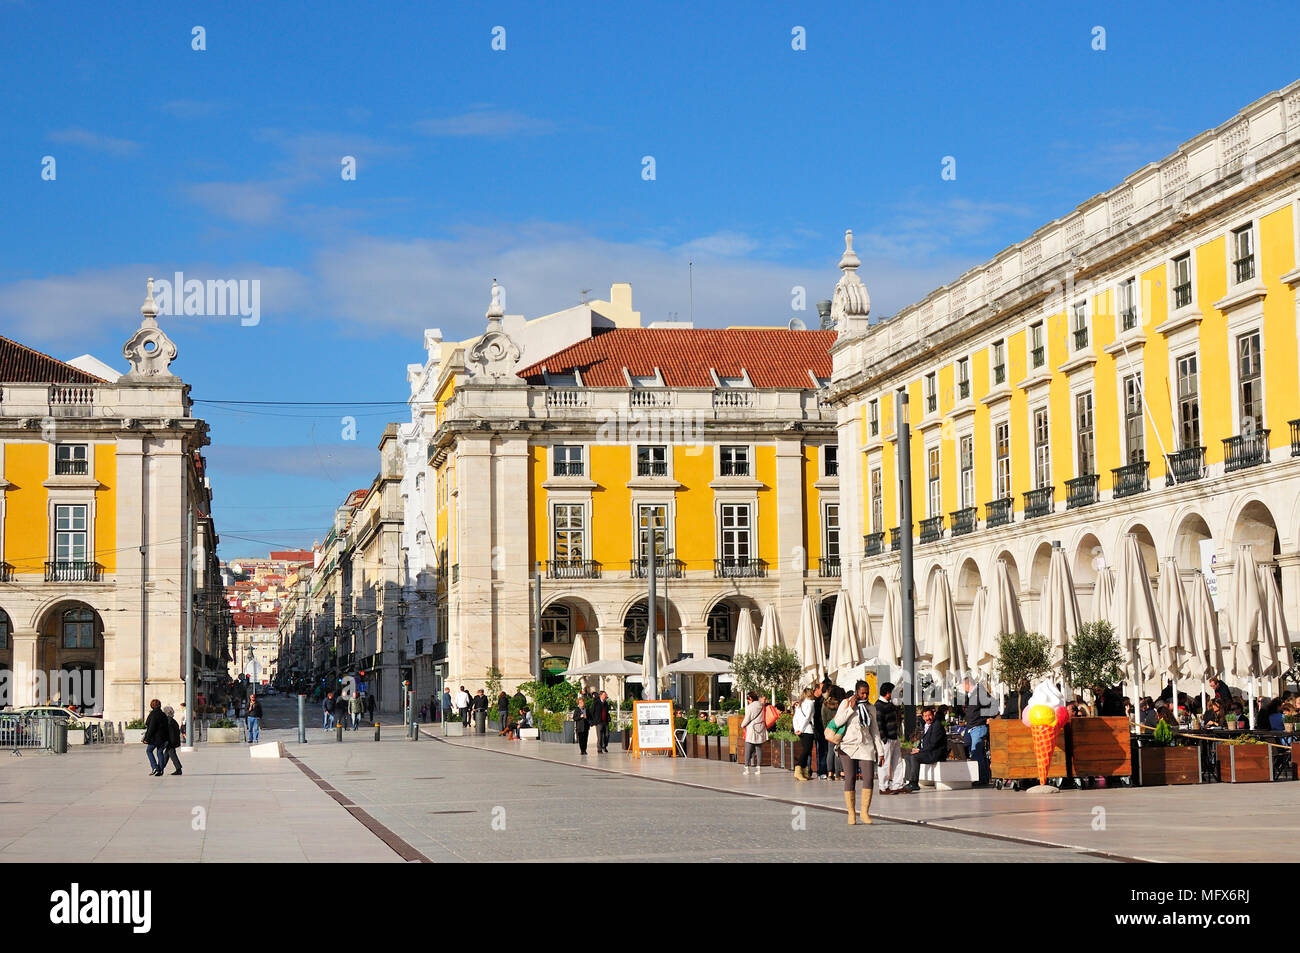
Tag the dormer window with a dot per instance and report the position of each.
(562, 380)
(732, 381)
(645, 380)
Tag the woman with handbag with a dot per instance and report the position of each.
(830, 706)
(803, 727)
(855, 733)
(754, 725)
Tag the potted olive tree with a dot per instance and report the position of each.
(1093, 660)
(1022, 658)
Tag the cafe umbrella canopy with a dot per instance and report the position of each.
(769, 634)
(616, 667)
(1001, 612)
(1274, 625)
(746, 638)
(1060, 606)
(947, 654)
(578, 658)
(1179, 655)
(890, 650)
(808, 645)
(1133, 614)
(976, 658)
(1103, 594)
(846, 645)
(1208, 658)
(1246, 623)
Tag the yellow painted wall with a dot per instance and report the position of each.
(765, 472)
(695, 531)
(812, 508)
(106, 507)
(27, 528)
(1281, 374)
(1216, 350)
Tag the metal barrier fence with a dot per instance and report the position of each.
(27, 731)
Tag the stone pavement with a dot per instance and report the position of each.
(1199, 822)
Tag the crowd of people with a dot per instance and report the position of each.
(347, 709)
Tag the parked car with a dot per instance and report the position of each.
(53, 711)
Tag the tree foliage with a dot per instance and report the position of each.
(1094, 658)
(493, 682)
(776, 668)
(1023, 657)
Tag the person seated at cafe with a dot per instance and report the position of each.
(932, 747)
(1279, 710)
(1147, 713)
(1214, 716)
(1164, 714)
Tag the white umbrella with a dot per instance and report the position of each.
(1060, 605)
(1180, 642)
(1278, 641)
(846, 645)
(976, 657)
(943, 634)
(1002, 613)
(746, 638)
(809, 645)
(1103, 594)
(698, 666)
(1135, 617)
(613, 666)
(890, 651)
(661, 658)
(1246, 620)
(769, 634)
(1207, 651)
(578, 657)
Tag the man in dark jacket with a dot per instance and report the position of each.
(173, 740)
(819, 725)
(581, 724)
(370, 707)
(599, 716)
(156, 737)
(931, 749)
(891, 781)
(340, 709)
(977, 728)
(327, 709)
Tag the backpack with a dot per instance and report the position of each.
(770, 716)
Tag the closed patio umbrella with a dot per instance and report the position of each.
(661, 657)
(1103, 593)
(976, 657)
(1060, 605)
(746, 637)
(890, 651)
(1278, 639)
(1246, 616)
(577, 658)
(943, 634)
(769, 634)
(1207, 656)
(1134, 615)
(846, 645)
(1179, 656)
(808, 645)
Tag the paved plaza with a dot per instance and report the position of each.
(481, 798)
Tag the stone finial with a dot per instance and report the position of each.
(496, 354)
(150, 308)
(497, 309)
(149, 350)
(849, 261)
(850, 305)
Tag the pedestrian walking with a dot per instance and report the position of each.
(977, 730)
(340, 709)
(173, 740)
(892, 768)
(600, 716)
(327, 708)
(754, 726)
(463, 702)
(156, 738)
(370, 708)
(503, 711)
(820, 744)
(581, 725)
(830, 705)
(803, 727)
(446, 704)
(254, 719)
(184, 722)
(860, 748)
(355, 708)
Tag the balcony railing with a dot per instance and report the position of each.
(71, 400)
(1182, 295)
(999, 512)
(1186, 465)
(735, 468)
(964, 521)
(1247, 450)
(729, 398)
(999, 373)
(873, 544)
(1081, 491)
(568, 468)
(895, 539)
(1245, 268)
(1038, 355)
(6, 572)
(1080, 338)
(652, 468)
(1129, 317)
(72, 571)
(739, 567)
(963, 388)
(664, 568)
(829, 566)
(1131, 479)
(1295, 437)
(932, 529)
(1039, 502)
(931, 403)
(70, 467)
(572, 569)
(566, 397)
(875, 428)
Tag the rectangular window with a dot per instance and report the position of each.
(735, 532)
(720, 624)
(1079, 323)
(652, 461)
(967, 451)
(831, 460)
(1037, 353)
(1127, 294)
(1042, 449)
(1189, 403)
(1134, 431)
(999, 362)
(70, 533)
(873, 417)
(877, 502)
(1182, 280)
(735, 461)
(568, 461)
(1002, 458)
(1243, 253)
(934, 498)
(963, 378)
(656, 515)
(831, 532)
(70, 459)
(556, 622)
(570, 532)
(931, 394)
(1250, 382)
(1083, 427)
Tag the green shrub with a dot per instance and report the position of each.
(702, 727)
(219, 723)
(778, 735)
(729, 704)
(785, 723)
(1022, 657)
(550, 721)
(626, 704)
(775, 669)
(552, 698)
(1093, 658)
(136, 723)
(1163, 734)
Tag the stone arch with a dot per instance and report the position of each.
(733, 603)
(582, 619)
(1084, 565)
(877, 594)
(1186, 533)
(1146, 546)
(635, 618)
(70, 639)
(1039, 563)
(1253, 524)
(1013, 569)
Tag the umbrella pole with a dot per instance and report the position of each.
(1251, 703)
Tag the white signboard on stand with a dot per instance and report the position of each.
(652, 727)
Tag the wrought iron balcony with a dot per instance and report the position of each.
(1129, 317)
(895, 539)
(6, 572)
(1245, 268)
(1182, 295)
(1081, 491)
(932, 529)
(735, 468)
(875, 428)
(999, 512)
(1038, 355)
(1295, 437)
(57, 570)
(1080, 338)
(829, 566)
(70, 467)
(1247, 450)
(652, 468)
(1131, 479)
(572, 569)
(664, 568)
(999, 373)
(1039, 502)
(873, 544)
(964, 521)
(1186, 466)
(569, 468)
(739, 567)
(931, 403)
(963, 388)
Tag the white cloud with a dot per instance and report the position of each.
(487, 122)
(250, 203)
(94, 141)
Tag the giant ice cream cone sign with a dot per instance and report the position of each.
(1045, 716)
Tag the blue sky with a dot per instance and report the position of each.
(525, 165)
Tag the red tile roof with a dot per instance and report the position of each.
(773, 357)
(20, 364)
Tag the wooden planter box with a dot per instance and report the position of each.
(1167, 765)
(735, 742)
(1011, 752)
(1238, 763)
(1099, 748)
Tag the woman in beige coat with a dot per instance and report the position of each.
(755, 728)
(860, 749)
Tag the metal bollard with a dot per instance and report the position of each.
(338, 731)
(376, 731)
(302, 725)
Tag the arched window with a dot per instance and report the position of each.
(720, 623)
(78, 628)
(636, 624)
(5, 630)
(557, 624)
(826, 612)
